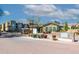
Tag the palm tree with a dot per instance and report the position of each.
(66, 26)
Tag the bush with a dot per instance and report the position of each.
(34, 35)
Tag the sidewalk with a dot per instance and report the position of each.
(60, 40)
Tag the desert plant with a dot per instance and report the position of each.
(54, 37)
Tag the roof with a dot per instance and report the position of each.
(33, 25)
(50, 24)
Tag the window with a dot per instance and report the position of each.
(50, 29)
(46, 29)
(54, 29)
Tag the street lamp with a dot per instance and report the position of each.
(74, 36)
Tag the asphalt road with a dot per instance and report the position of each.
(20, 46)
(9, 35)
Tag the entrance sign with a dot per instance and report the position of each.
(34, 31)
(64, 35)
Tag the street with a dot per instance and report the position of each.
(22, 45)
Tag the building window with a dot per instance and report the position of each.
(50, 29)
(46, 29)
(54, 29)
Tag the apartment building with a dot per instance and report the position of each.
(7, 26)
(3, 27)
(10, 26)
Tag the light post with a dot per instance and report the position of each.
(73, 37)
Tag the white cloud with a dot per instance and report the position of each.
(21, 20)
(51, 11)
(71, 13)
(6, 13)
(40, 10)
(77, 5)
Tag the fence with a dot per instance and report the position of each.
(67, 36)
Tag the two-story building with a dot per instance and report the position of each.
(51, 27)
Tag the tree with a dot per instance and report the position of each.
(66, 26)
(73, 27)
(77, 27)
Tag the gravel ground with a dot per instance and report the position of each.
(22, 45)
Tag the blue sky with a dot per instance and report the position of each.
(46, 13)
